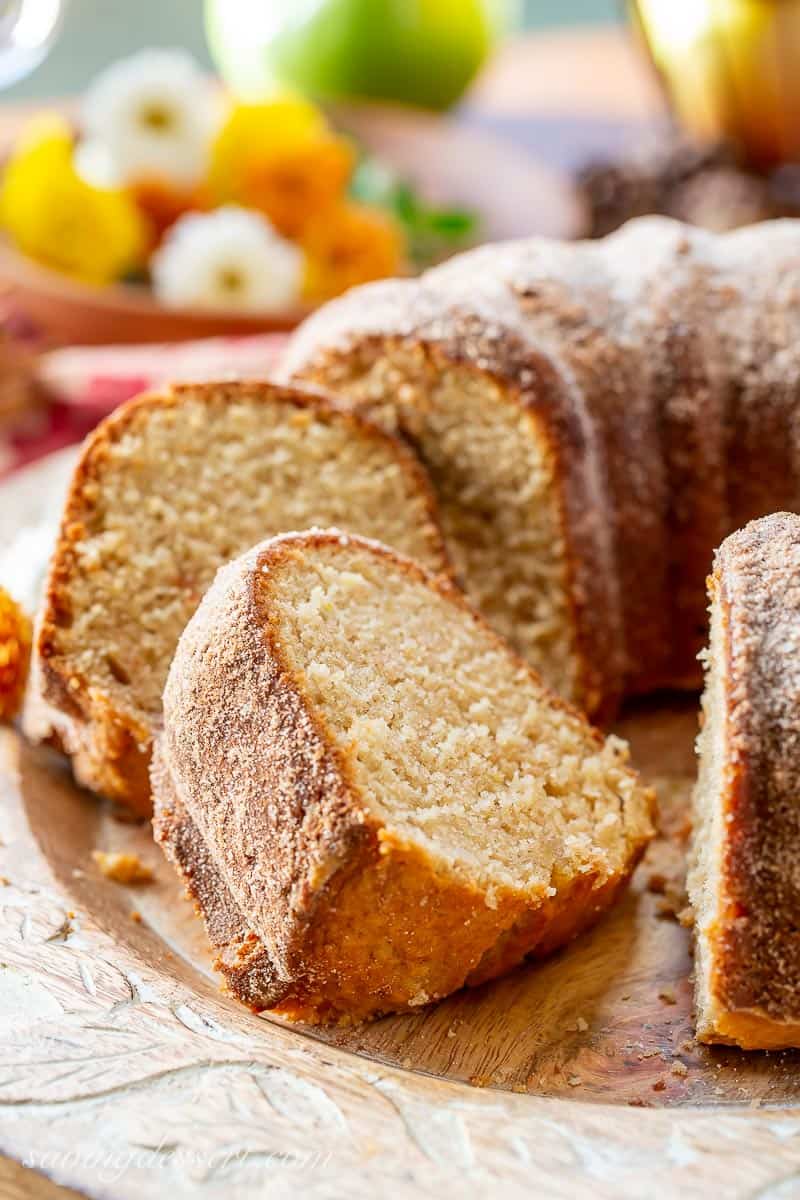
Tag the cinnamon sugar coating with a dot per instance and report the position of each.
(745, 877)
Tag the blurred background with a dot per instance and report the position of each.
(97, 31)
(178, 173)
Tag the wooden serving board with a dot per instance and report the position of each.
(124, 1070)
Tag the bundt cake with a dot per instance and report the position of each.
(370, 797)
(596, 418)
(744, 878)
(166, 490)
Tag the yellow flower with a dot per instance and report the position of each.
(280, 158)
(59, 219)
(352, 245)
(282, 121)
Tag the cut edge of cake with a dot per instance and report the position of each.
(405, 380)
(107, 739)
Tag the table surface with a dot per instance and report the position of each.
(596, 75)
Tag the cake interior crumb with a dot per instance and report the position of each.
(453, 742)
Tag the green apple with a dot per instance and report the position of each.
(422, 52)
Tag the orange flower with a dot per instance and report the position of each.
(352, 245)
(15, 651)
(281, 159)
(294, 186)
(162, 204)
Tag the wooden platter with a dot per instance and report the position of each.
(125, 1071)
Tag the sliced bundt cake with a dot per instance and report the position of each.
(166, 490)
(744, 880)
(371, 798)
(647, 383)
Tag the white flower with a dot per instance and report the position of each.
(231, 259)
(152, 115)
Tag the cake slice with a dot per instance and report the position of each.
(371, 798)
(456, 361)
(166, 490)
(744, 878)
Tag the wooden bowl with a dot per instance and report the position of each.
(66, 310)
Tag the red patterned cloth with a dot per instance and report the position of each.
(83, 384)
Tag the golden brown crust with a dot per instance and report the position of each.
(241, 957)
(751, 1031)
(249, 974)
(110, 747)
(751, 993)
(351, 920)
(693, 414)
(339, 976)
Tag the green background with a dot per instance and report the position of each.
(97, 31)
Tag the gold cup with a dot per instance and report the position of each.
(731, 69)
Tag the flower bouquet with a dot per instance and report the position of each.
(249, 210)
